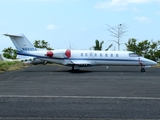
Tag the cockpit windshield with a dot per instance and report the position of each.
(133, 55)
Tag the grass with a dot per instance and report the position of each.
(158, 65)
(11, 65)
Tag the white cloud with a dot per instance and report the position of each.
(2, 23)
(51, 27)
(10, 11)
(83, 28)
(109, 4)
(41, 0)
(50, 0)
(143, 19)
(135, 9)
(139, 1)
(157, 13)
(121, 3)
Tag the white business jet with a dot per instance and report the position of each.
(78, 58)
(26, 60)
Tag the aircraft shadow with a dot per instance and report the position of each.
(79, 71)
(86, 71)
(67, 71)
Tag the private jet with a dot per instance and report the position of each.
(80, 58)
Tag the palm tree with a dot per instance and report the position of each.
(98, 45)
(109, 47)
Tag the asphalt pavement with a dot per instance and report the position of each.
(56, 92)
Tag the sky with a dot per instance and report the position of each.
(76, 24)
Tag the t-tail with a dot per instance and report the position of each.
(21, 42)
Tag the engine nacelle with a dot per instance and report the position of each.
(49, 54)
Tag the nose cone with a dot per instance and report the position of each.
(154, 63)
(148, 62)
(151, 62)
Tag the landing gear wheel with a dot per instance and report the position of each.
(72, 67)
(45, 62)
(142, 70)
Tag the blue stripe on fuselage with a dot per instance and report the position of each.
(94, 59)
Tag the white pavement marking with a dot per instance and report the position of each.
(79, 97)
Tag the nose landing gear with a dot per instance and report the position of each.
(143, 69)
(142, 66)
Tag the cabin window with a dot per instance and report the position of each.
(111, 55)
(106, 55)
(117, 55)
(90, 54)
(100, 54)
(82, 54)
(86, 54)
(95, 54)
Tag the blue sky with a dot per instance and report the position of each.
(77, 24)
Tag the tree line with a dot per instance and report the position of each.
(145, 48)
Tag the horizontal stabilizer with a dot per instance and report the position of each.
(13, 35)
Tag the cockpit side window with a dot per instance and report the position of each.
(133, 55)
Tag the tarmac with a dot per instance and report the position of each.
(56, 92)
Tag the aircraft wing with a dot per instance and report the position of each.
(81, 62)
(59, 55)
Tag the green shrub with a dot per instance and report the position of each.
(10, 65)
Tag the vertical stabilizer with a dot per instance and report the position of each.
(21, 42)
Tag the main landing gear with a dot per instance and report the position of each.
(75, 67)
(72, 67)
(143, 69)
(45, 62)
